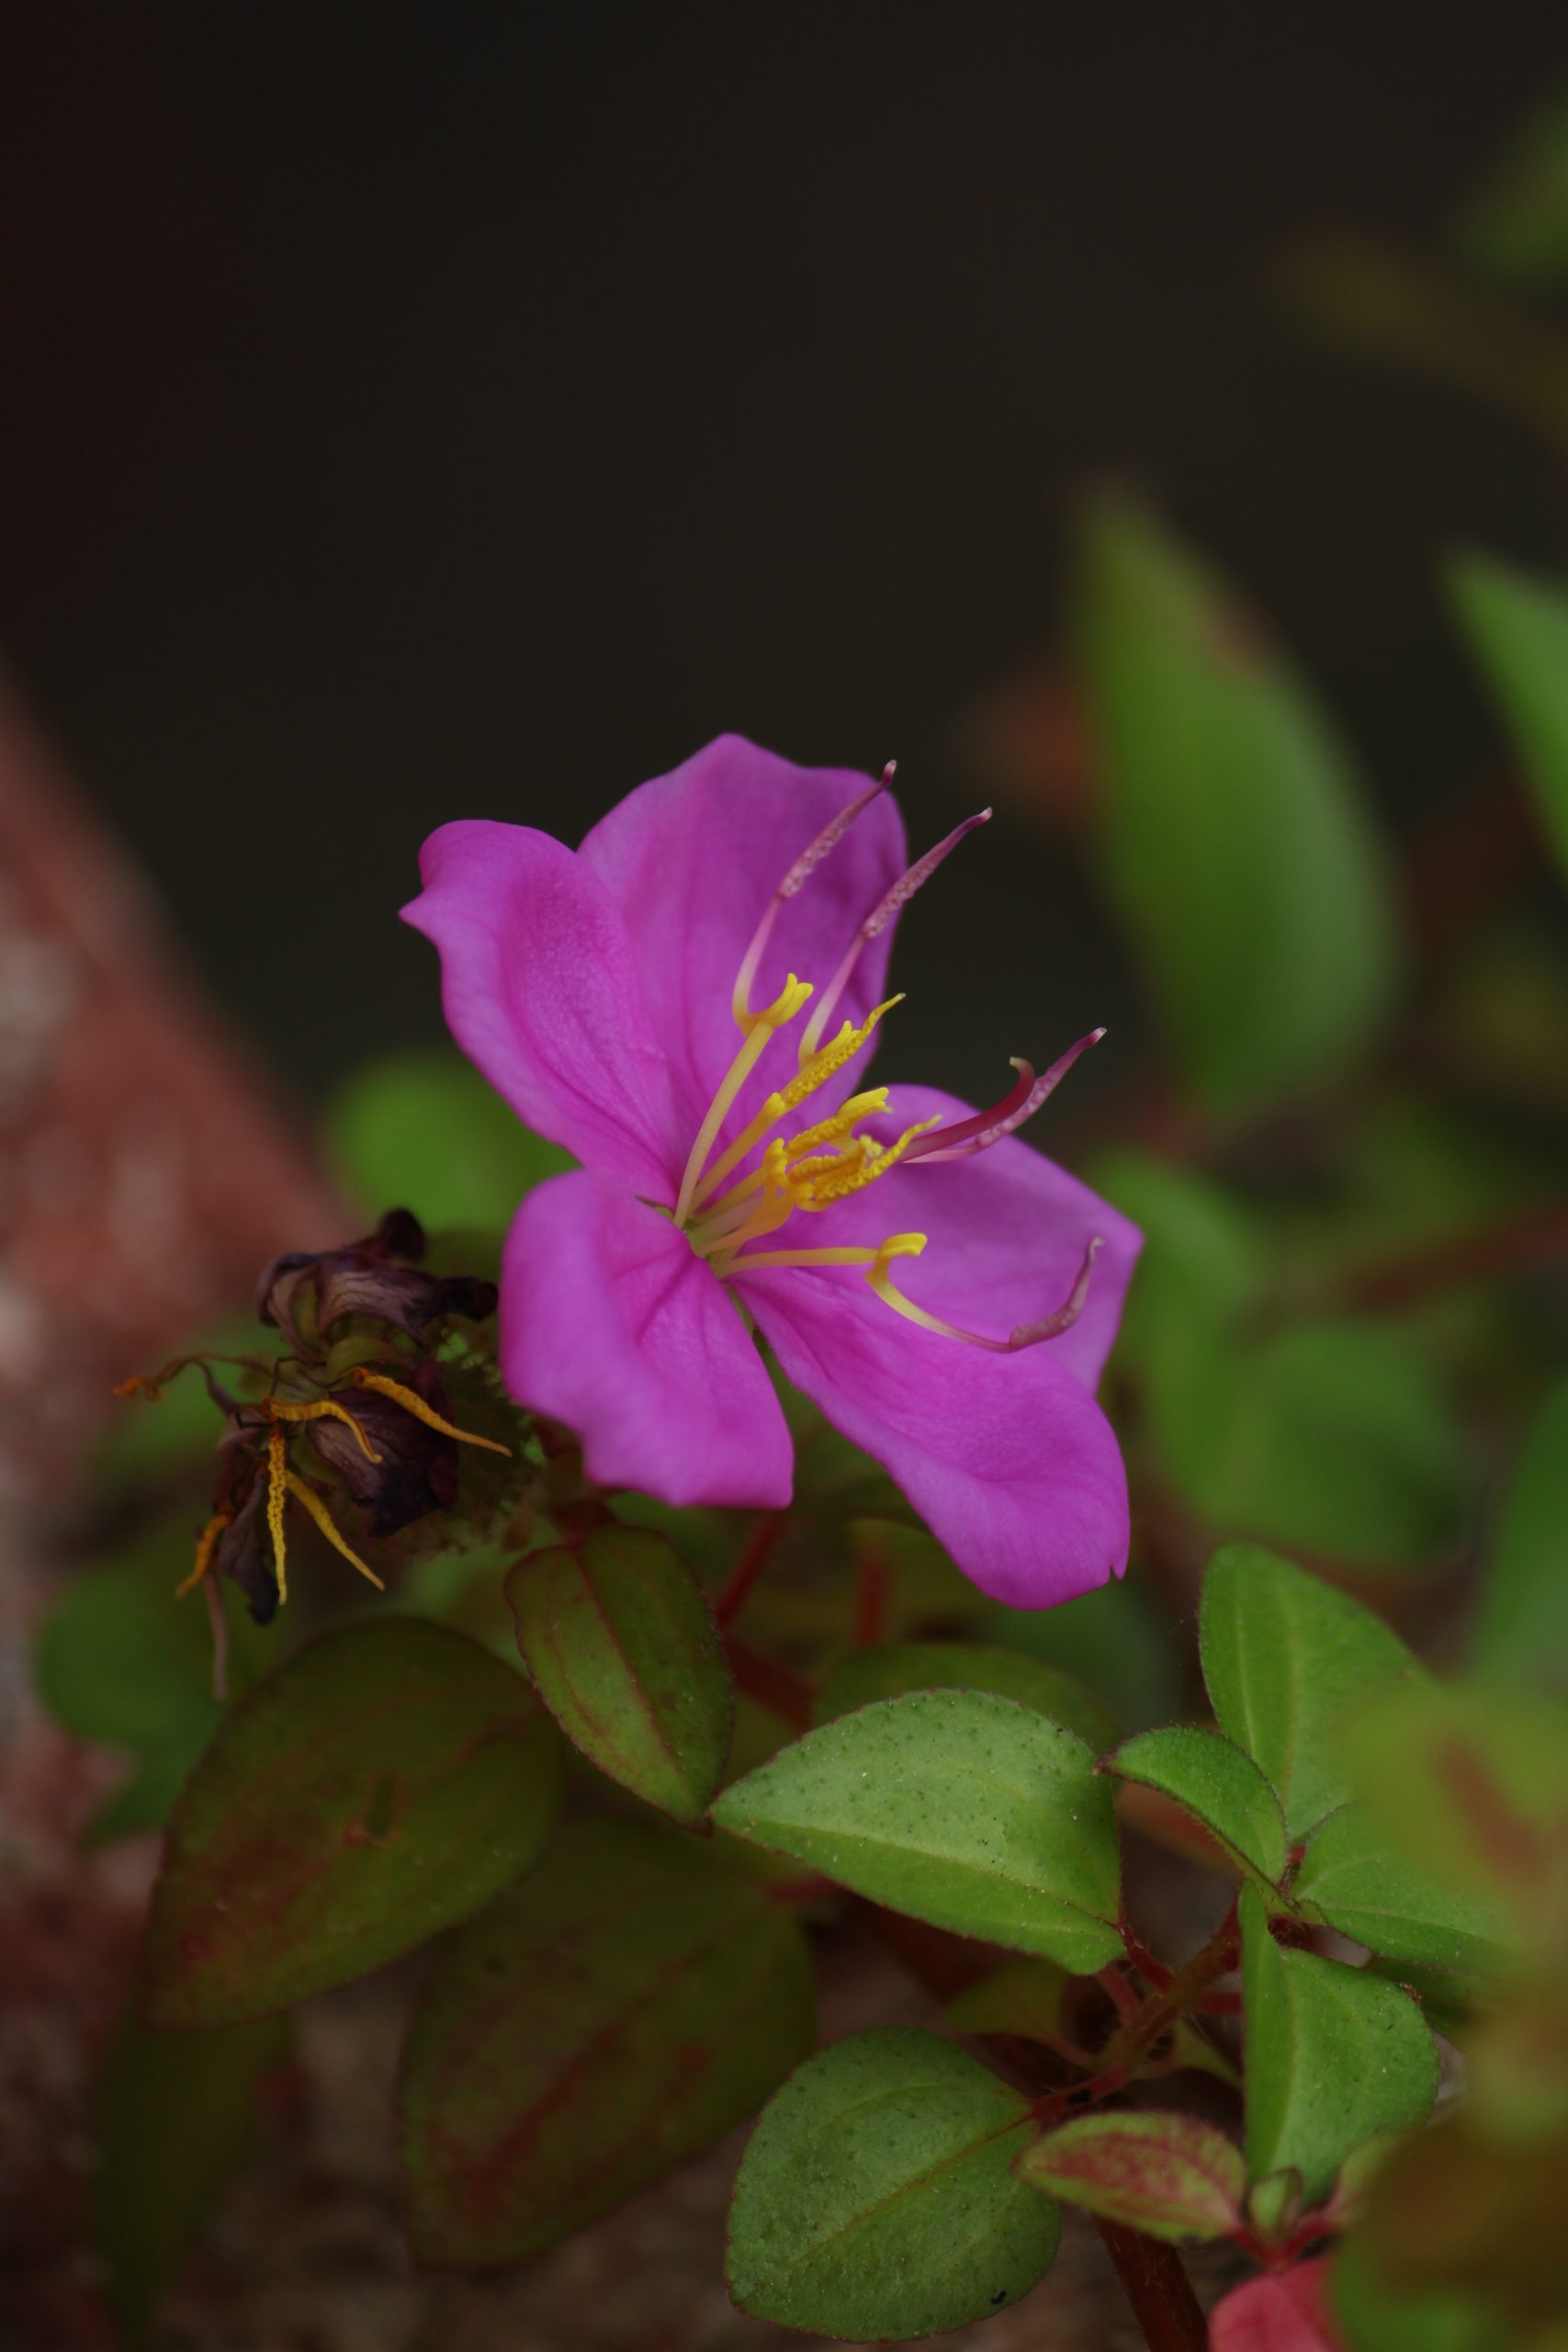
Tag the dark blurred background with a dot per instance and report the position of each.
(412, 412)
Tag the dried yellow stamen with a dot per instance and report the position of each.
(412, 1402)
(318, 1513)
(276, 1409)
(277, 1495)
(206, 1546)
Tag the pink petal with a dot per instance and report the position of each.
(1007, 1458)
(1288, 2312)
(693, 859)
(1005, 1230)
(610, 1324)
(541, 991)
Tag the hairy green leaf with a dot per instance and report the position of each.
(1234, 838)
(384, 1782)
(1170, 2176)
(876, 2198)
(1334, 2055)
(1353, 1878)
(957, 1807)
(887, 1672)
(1285, 1657)
(623, 1651)
(1213, 1779)
(627, 2004)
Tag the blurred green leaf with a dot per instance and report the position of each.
(875, 2200)
(625, 2006)
(1517, 627)
(145, 1443)
(1334, 2056)
(1522, 1619)
(1457, 2211)
(174, 2116)
(1517, 2079)
(1171, 2175)
(956, 1807)
(1514, 224)
(1350, 1879)
(623, 1651)
(1285, 1655)
(1113, 1639)
(887, 1672)
(424, 1131)
(1374, 2315)
(1025, 1996)
(1234, 840)
(384, 1782)
(1214, 1781)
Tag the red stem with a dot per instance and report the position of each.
(748, 1568)
(873, 1578)
(1158, 2289)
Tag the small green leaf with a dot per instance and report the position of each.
(1170, 2176)
(624, 1653)
(1334, 2055)
(1234, 838)
(1470, 1785)
(174, 2116)
(1285, 1657)
(957, 1807)
(632, 2000)
(1517, 626)
(875, 2200)
(1112, 1640)
(424, 1131)
(1214, 1781)
(1024, 1997)
(1351, 1878)
(384, 1782)
(1514, 224)
(1522, 1626)
(886, 1673)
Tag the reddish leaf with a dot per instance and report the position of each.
(637, 1996)
(1170, 2176)
(1288, 2312)
(385, 1782)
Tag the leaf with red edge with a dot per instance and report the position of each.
(634, 1999)
(385, 1782)
(1170, 2176)
(624, 1653)
(1287, 2312)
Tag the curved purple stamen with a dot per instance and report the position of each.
(966, 1136)
(880, 915)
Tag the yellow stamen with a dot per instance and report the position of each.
(412, 1402)
(837, 1182)
(784, 1007)
(206, 1546)
(318, 1510)
(899, 1245)
(277, 1410)
(277, 1495)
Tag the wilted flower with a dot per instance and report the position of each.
(602, 992)
(361, 1382)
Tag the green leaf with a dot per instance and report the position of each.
(1522, 1624)
(1470, 1785)
(1024, 1997)
(632, 2000)
(1517, 627)
(1285, 1657)
(173, 2117)
(1376, 2313)
(1334, 2055)
(424, 1131)
(887, 1672)
(1112, 1640)
(1234, 840)
(1350, 1879)
(1515, 225)
(1214, 1781)
(624, 1653)
(955, 1807)
(384, 1782)
(876, 2200)
(1170, 2176)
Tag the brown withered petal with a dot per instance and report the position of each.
(417, 1469)
(377, 1277)
(244, 1553)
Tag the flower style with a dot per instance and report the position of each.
(686, 1004)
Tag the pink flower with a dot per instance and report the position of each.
(944, 1294)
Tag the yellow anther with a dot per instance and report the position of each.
(206, 1546)
(277, 1495)
(323, 1407)
(318, 1513)
(412, 1402)
(842, 1123)
(818, 1066)
(853, 1176)
(762, 1025)
(897, 1245)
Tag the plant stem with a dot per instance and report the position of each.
(1159, 2288)
(748, 1567)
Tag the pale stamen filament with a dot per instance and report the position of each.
(880, 915)
(783, 1009)
(804, 864)
(1026, 1335)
